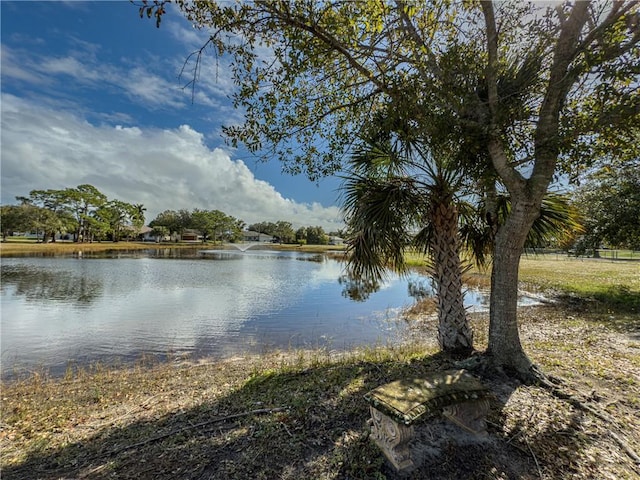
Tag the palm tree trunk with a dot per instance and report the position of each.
(454, 333)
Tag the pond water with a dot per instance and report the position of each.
(57, 311)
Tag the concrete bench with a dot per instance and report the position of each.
(396, 406)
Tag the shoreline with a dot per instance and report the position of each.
(300, 414)
(18, 248)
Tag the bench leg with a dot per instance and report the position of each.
(393, 439)
(471, 415)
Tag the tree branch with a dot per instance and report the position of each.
(417, 39)
(513, 180)
(327, 39)
(546, 143)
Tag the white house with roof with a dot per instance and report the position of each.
(251, 236)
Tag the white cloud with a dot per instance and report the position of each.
(152, 90)
(70, 66)
(160, 168)
(184, 32)
(135, 78)
(17, 67)
(137, 82)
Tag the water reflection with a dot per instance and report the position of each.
(357, 289)
(219, 303)
(215, 304)
(261, 254)
(420, 288)
(41, 285)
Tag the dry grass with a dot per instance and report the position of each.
(143, 422)
(61, 248)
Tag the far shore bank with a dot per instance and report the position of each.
(11, 247)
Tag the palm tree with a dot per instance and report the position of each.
(137, 215)
(558, 217)
(408, 198)
(396, 200)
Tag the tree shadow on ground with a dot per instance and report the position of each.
(321, 432)
(621, 316)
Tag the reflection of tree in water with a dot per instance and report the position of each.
(312, 258)
(38, 284)
(357, 289)
(420, 288)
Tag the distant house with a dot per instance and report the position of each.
(336, 241)
(149, 236)
(139, 233)
(190, 236)
(249, 236)
(145, 233)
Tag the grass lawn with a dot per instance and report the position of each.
(300, 414)
(615, 284)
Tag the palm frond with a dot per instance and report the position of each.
(475, 233)
(374, 160)
(378, 213)
(557, 216)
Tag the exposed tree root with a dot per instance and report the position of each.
(486, 365)
(557, 386)
(554, 386)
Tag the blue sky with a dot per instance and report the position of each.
(91, 94)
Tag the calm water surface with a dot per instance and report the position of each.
(61, 310)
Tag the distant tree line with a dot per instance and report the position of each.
(214, 225)
(211, 225)
(609, 202)
(83, 213)
(283, 232)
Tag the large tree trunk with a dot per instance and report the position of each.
(454, 333)
(505, 349)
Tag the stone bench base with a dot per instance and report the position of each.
(393, 439)
(395, 407)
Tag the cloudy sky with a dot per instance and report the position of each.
(91, 94)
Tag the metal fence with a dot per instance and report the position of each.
(602, 253)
